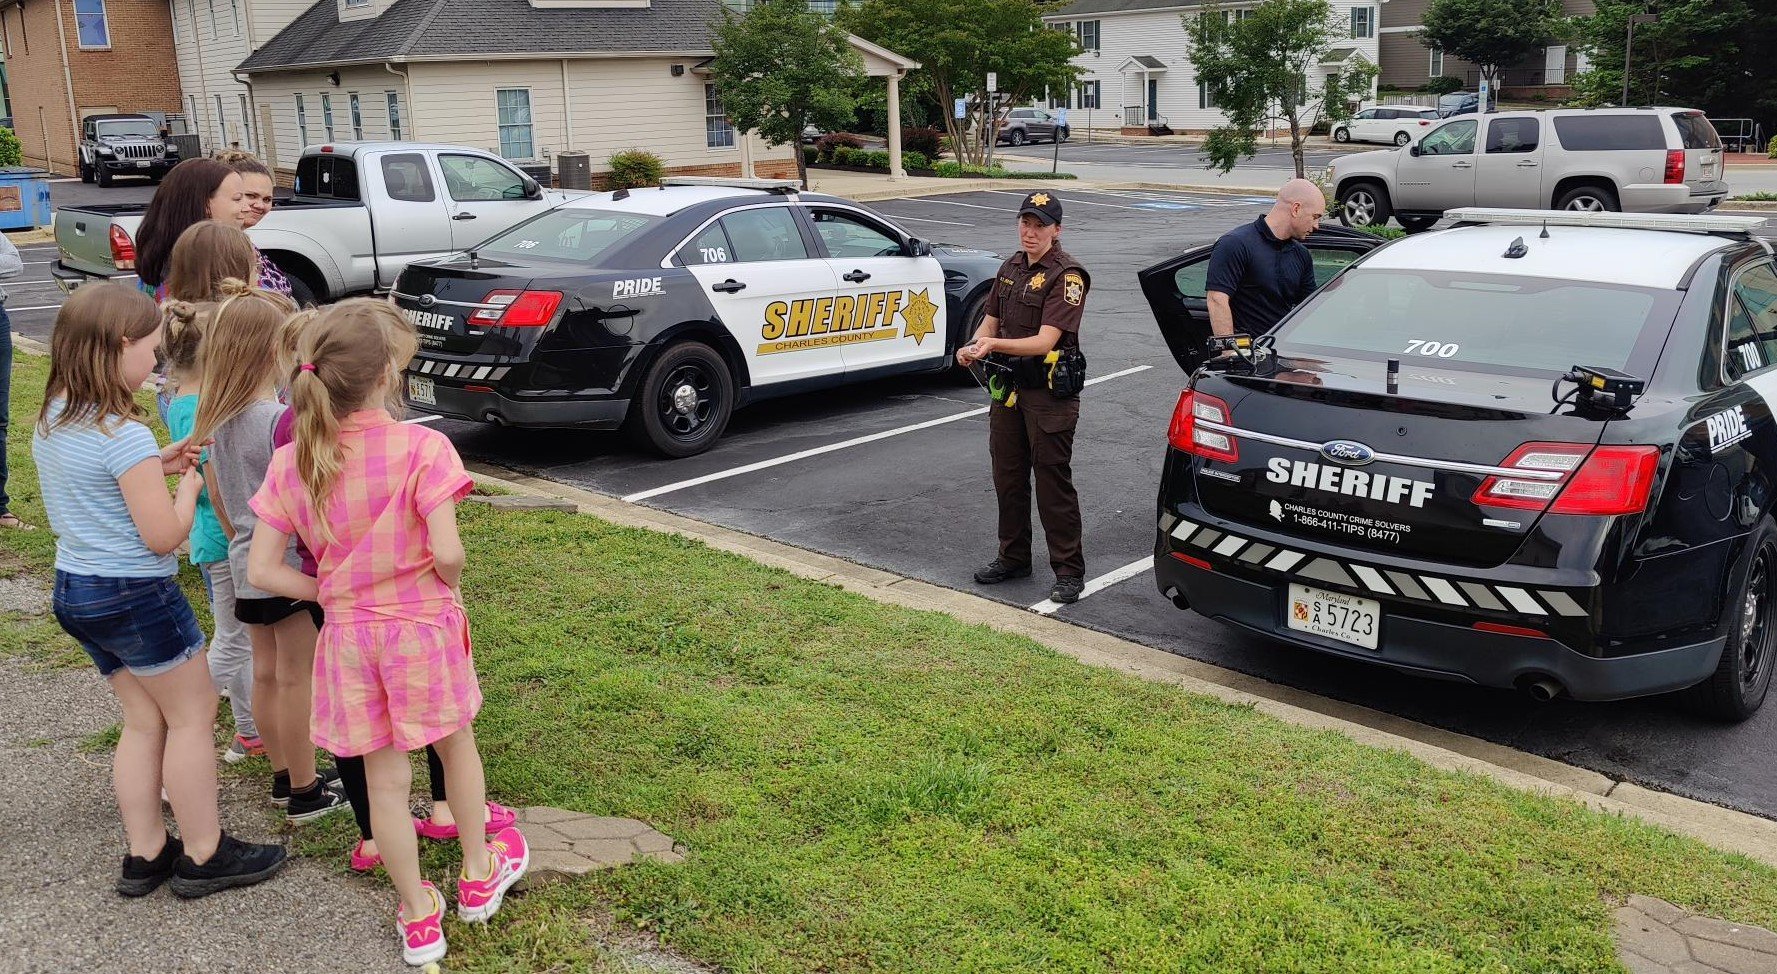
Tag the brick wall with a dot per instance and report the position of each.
(136, 73)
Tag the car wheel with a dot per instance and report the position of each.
(1738, 686)
(972, 316)
(1064, 134)
(1415, 224)
(1402, 138)
(86, 173)
(1594, 199)
(685, 401)
(300, 292)
(1018, 137)
(1341, 135)
(103, 177)
(1364, 205)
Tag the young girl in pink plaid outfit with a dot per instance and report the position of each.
(374, 500)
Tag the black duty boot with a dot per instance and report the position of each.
(997, 571)
(1067, 589)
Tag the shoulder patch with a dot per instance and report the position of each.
(1073, 287)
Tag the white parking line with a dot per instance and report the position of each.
(972, 206)
(1134, 568)
(1071, 198)
(918, 219)
(833, 447)
(35, 307)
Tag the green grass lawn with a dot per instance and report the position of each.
(869, 788)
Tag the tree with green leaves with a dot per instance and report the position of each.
(958, 42)
(1714, 55)
(1492, 34)
(781, 68)
(1265, 65)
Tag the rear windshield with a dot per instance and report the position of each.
(1696, 131)
(568, 234)
(1607, 133)
(1483, 322)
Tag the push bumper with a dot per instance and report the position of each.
(1441, 650)
(129, 167)
(458, 402)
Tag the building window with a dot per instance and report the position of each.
(515, 123)
(327, 115)
(1435, 67)
(1206, 97)
(1363, 21)
(717, 133)
(236, 5)
(247, 124)
(1088, 35)
(302, 124)
(221, 124)
(90, 23)
(215, 31)
(357, 118)
(395, 130)
(1089, 94)
(357, 3)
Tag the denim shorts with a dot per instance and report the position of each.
(142, 624)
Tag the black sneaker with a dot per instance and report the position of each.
(318, 802)
(1067, 589)
(280, 787)
(143, 876)
(235, 863)
(997, 571)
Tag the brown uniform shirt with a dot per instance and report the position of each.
(1027, 296)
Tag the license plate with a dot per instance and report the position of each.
(1332, 615)
(419, 390)
(141, 163)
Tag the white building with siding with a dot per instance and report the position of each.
(211, 38)
(526, 79)
(1136, 68)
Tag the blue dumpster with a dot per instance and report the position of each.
(24, 198)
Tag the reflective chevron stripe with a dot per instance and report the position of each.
(1415, 587)
(460, 370)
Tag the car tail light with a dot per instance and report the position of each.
(517, 309)
(1506, 630)
(1187, 435)
(1603, 481)
(123, 249)
(1194, 562)
(1675, 166)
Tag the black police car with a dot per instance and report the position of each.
(662, 310)
(1534, 450)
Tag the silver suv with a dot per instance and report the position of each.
(1638, 160)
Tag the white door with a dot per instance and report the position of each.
(1362, 125)
(1555, 64)
(1442, 176)
(889, 305)
(770, 292)
(410, 217)
(484, 197)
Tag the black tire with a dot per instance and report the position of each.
(971, 320)
(1740, 681)
(1402, 138)
(1017, 138)
(86, 173)
(301, 292)
(1594, 198)
(103, 177)
(1341, 134)
(1415, 224)
(1364, 204)
(684, 401)
(1063, 134)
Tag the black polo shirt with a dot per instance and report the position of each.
(1264, 277)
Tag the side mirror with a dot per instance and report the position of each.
(1413, 150)
(533, 190)
(918, 248)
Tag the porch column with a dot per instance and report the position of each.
(894, 127)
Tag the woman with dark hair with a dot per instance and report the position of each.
(257, 188)
(195, 190)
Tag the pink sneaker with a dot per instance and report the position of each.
(362, 863)
(479, 899)
(499, 818)
(422, 940)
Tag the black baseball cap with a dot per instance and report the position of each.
(1044, 206)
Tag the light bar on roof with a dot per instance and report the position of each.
(775, 185)
(1679, 222)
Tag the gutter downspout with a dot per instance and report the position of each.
(407, 93)
(567, 110)
(252, 122)
(67, 81)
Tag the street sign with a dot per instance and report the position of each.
(1485, 94)
(962, 108)
(1061, 117)
(993, 81)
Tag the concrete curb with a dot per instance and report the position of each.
(946, 187)
(1721, 828)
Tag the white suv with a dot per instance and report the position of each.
(1639, 160)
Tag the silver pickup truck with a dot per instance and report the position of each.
(361, 212)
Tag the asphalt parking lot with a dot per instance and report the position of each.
(894, 474)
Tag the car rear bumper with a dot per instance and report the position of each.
(70, 278)
(483, 405)
(1664, 198)
(1443, 650)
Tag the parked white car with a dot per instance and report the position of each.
(1399, 125)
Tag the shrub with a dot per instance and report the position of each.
(828, 145)
(924, 141)
(1772, 148)
(912, 159)
(1443, 84)
(873, 160)
(633, 168)
(810, 155)
(11, 153)
(1383, 231)
(956, 169)
(845, 155)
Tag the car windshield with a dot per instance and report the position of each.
(1455, 98)
(571, 233)
(143, 127)
(1483, 322)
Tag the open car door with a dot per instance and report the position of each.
(1176, 289)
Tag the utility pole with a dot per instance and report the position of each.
(1629, 49)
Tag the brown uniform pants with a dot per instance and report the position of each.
(1037, 435)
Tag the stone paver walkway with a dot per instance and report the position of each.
(1655, 937)
(565, 844)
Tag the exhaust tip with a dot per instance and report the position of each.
(1177, 597)
(1542, 689)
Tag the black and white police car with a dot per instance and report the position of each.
(662, 310)
(1534, 450)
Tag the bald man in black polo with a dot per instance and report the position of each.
(1259, 272)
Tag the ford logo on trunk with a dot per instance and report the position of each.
(427, 300)
(1348, 452)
